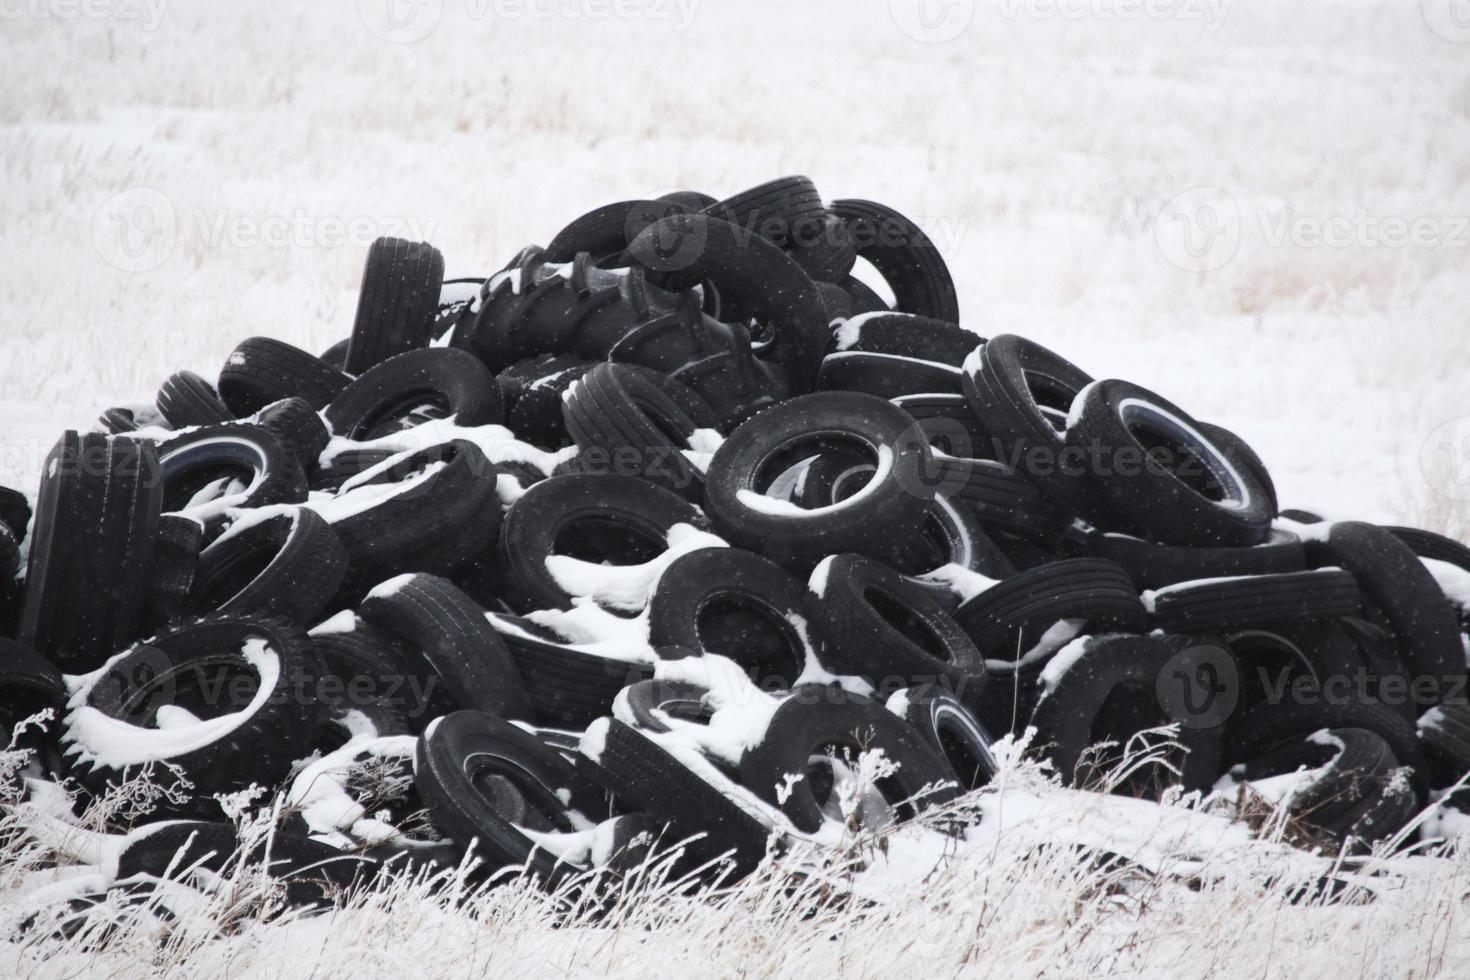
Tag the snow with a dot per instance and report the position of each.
(778, 507)
(627, 587)
(1062, 662)
(850, 331)
(343, 622)
(390, 587)
(1454, 580)
(817, 583)
(959, 580)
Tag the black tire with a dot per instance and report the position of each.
(194, 461)
(1163, 477)
(1012, 615)
(96, 519)
(171, 578)
(488, 782)
(604, 232)
(287, 566)
(751, 271)
(1406, 596)
(1255, 601)
(1022, 393)
(815, 719)
(1268, 725)
(1427, 544)
(784, 435)
(533, 391)
(122, 419)
(1306, 656)
(1110, 689)
(616, 411)
(952, 538)
(951, 731)
(372, 681)
(905, 335)
(186, 399)
(1154, 566)
(566, 686)
(824, 248)
(260, 371)
(199, 666)
(1000, 496)
(444, 515)
(610, 517)
(773, 210)
(454, 642)
(710, 825)
(1445, 733)
(29, 685)
(346, 464)
(886, 375)
(381, 400)
(736, 604)
(904, 256)
(651, 705)
(336, 355)
(1239, 452)
(948, 422)
(864, 299)
(397, 304)
(878, 625)
(15, 512)
(298, 427)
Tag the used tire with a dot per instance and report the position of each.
(289, 566)
(379, 402)
(906, 335)
(260, 371)
(186, 399)
(904, 256)
(210, 470)
(1255, 601)
(886, 375)
(951, 731)
(298, 428)
(566, 686)
(1154, 566)
(397, 304)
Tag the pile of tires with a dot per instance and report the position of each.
(659, 537)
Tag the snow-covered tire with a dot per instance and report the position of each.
(566, 686)
(734, 603)
(951, 730)
(1427, 544)
(1011, 615)
(1445, 734)
(1162, 475)
(461, 655)
(380, 400)
(186, 399)
(622, 514)
(1255, 601)
(248, 454)
(815, 720)
(1109, 689)
(886, 375)
(245, 681)
(261, 370)
(905, 335)
(97, 514)
(298, 427)
(877, 624)
(533, 391)
(397, 304)
(289, 566)
(949, 423)
(29, 684)
(615, 410)
(904, 256)
(897, 499)
(377, 695)
(1154, 566)
(494, 787)
(1403, 592)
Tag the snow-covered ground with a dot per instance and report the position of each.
(1260, 209)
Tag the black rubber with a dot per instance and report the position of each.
(826, 719)
(886, 375)
(904, 256)
(952, 731)
(566, 686)
(653, 704)
(612, 518)
(1022, 393)
(906, 335)
(1000, 496)
(123, 419)
(298, 427)
(15, 512)
(187, 399)
(1111, 690)
(617, 411)
(1163, 476)
(533, 391)
(288, 566)
(1256, 601)
(29, 684)
(949, 422)
(368, 675)
(202, 666)
(380, 401)
(760, 450)
(879, 625)
(488, 782)
(775, 210)
(1009, 617)
(171, 576)
(261, 370)
(1153, 566)
(1401, 591)
(446, 516)
(824, 248)
(249, 454)
(398, 302)
(454, 643)
(97, 515)
(1427, 544)
(604, 232)
(734, 603)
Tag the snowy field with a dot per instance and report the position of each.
(1259, 209)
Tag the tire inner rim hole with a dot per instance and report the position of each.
(832, 772)
(1185, 454)
(513, 798)
(194, 692)
(907, 622)
(753, 635)
(1053, 399)
(603, 541)
(422, 404)
(970, 762)
(778, 473)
